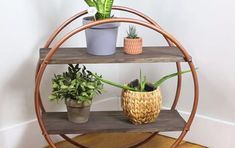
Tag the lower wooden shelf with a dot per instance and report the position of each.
(111, 121)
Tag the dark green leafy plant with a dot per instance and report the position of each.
(103, 7)
(132, 33)
(141, 85)
(77, 84)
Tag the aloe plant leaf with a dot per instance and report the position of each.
(143, 84)
(163, 79)
(114, 84)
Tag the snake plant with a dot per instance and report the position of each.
(141, 83)
(103, 7)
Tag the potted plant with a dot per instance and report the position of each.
(141, 101)
(77, 87)
(133, 43)
(101, 39)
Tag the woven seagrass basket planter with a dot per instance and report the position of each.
(141, 107)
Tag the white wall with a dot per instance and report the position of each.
(204, 27)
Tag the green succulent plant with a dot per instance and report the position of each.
(77, 84)
(141, 84)
(132, 33)
(103, 7)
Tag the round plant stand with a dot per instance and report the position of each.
(52, 123)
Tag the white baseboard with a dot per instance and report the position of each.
(205, 130)
(24, 135)
(209, 132)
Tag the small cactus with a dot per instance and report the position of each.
(132, 33)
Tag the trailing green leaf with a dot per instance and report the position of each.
(163, 79)
(142, 82)
(113, 83)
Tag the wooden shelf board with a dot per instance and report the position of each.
(111, 121)
(79, 55)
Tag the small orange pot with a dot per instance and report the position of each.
(133, 46)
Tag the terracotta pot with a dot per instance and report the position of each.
(133, 46)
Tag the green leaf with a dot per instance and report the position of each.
(82, 98)
(72, 67)
(61, 82)
(142, 84)
(82, 87)
(78, 75)
(163, 79)
(52, 97)
(92, 94)
(84, 94)
(64, 87)
(108, 4)
(113, 83)
(90, 3)
(87, 103)
(100, 5)
(84, 70)
(73, 82)
(55, 85)
(71, 87)
(90, 86)
(77, 66)
(70, 70)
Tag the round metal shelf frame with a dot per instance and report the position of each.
(39, 108)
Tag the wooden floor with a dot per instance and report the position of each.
(117, 140)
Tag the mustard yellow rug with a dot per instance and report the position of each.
(123, 140)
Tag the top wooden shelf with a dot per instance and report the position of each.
(78, 55)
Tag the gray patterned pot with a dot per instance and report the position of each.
(101, 39)
(77, 112)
